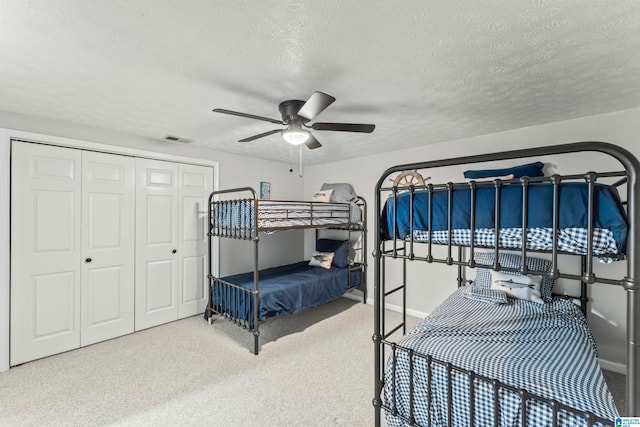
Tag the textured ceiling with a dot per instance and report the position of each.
(422, 71)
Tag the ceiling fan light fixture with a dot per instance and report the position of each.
(295, 136)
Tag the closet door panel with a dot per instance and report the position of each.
(160, 276)
(196, 183)
(156, 299)
(108, 267)
(45, 250)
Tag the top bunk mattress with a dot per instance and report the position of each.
(610, 225)
(276, 215)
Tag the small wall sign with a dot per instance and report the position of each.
(265, 190)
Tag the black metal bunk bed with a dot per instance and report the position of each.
(415, 387)
(244, 298)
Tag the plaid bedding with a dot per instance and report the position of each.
(546, 349)
(239, 214)
(572, 240)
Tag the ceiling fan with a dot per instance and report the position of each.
(296, 115)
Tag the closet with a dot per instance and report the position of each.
(102, 245)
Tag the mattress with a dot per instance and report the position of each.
(546, 349)
(287, 289)
(274, 214)
(610, 219)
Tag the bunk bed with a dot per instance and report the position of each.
(483, 357)
(338, 265)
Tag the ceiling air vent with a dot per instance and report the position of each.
(177, 139)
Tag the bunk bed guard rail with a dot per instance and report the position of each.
(631, 282)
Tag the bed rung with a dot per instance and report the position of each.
(395, 290)
(391, 332)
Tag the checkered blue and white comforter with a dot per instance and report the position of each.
(572, 240)
(546, 349)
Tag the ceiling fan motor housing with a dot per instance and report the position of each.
(289, 110)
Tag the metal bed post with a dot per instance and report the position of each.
(632, 285)
(363, 236)
(460, 269)
(378, 290)
(631, 282)
(209, 254)
(584, 299)
(256, 281)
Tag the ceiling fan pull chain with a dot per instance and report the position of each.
(300, 161)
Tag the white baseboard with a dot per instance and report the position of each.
(392, 307)
(619, 368)
(397, 308)
(353, 296)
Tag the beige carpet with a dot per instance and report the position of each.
(314, 369)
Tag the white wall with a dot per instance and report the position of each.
(234, 171)
(608, 319)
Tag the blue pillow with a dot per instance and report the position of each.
(529, 169)
(339, 247)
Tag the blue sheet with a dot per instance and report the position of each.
(573, 209)
(287, 289)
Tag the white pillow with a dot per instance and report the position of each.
(321, 259)
(322, 196)
(490, 178)
(517, 286)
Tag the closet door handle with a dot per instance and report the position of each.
(87, 260)
(174, 251)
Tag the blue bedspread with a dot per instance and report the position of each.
(287, 289)
(573, 209)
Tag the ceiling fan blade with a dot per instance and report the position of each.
(344, 127)
(312, 143)
(251, 138)
(315, 105)
(248, 116)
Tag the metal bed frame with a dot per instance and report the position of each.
(219, 229)
(404, 250)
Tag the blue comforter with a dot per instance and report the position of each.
(287, 289)
(573, 209)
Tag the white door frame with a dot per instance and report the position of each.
(6, 135)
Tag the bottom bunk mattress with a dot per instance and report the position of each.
(287, 289)
(546, 349)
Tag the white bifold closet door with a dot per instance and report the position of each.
(156, 243)
(171, 200)
(45, 250)
(108, 246)
(72, 248)
(196, 184)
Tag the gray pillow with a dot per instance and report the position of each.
(342, 192)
